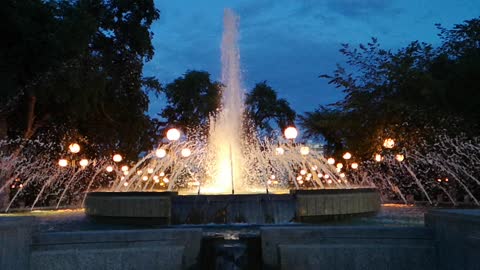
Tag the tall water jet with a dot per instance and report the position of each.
(226, 130)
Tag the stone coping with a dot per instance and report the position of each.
(332, 191)
(132, 194)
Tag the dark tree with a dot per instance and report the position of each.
(77, 65)
(410, 94)
(192, 99)
(263, 108)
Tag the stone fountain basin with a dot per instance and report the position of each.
(308, 206)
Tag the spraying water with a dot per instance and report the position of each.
(226, 130)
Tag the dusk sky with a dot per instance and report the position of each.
(290, 43)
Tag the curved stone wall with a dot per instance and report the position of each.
(151, 207)
(318, 205)
(166, 207)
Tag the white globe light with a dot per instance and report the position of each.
(145, 178)
(389, 143)
(378, 157)
(74, 148)
(354, 165)
(83, 162)
(166, 180)
(117, 158)
(186, 152)
(339, 165)
(160, 153)
(400, 157)
(63, 162)
(173, 134)
(279, 151)
(150, 170)
(291, 133)
(109, 169)
(347, 155)
(124, 168)
(331, 161)
(304, 150)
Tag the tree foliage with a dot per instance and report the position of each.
(77, 65)
(264, 107)
(192, 99)
(408, 94)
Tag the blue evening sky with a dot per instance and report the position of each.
(289, 43)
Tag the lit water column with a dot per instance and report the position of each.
(226, 132)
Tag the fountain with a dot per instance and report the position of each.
(232, 177)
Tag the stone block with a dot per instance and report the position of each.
(357, 256)
(456, 232)
(188, 239)
(15, 240)
(274, 237)
(167, 257)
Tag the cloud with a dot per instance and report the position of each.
(355, 8)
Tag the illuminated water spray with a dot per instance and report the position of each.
(226, 129)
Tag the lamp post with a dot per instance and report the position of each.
(73, 148)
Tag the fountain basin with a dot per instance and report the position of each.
(309, 206)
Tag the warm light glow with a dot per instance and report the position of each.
(155, 177)
(329, 181)
(139, 172)
(279, 151)
(124, 168)
(74, 148)
(160, 153)
(342, 175)
(291, 133)
(125, 173)
(63, 163)
(314, 167)
(150, 170)
(162, 174)
(354, 165)
(400, 157)
(378, 157)
(300, 182)
(166, 180)
(186, 152)
(145, 178)
(83, 162)
(299, 178)
(389, 143)
(125, 184)
(326, 176)
(331, 161)
(157, 180)
(347, 156)
(304, 150)
(320, 175)
(109, 169)
(339, 165)
(303, 172)
(117, 158)
(272, 177)
(173, 134)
